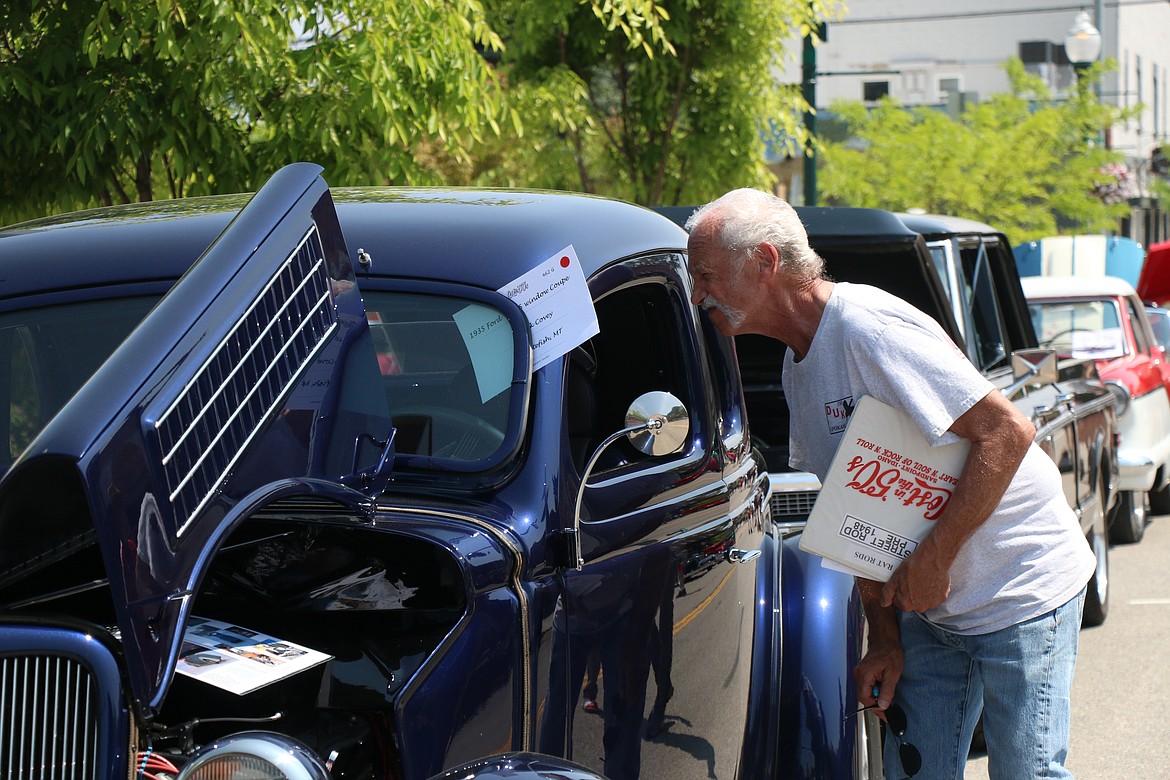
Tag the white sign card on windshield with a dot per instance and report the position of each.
(555, 299)
(1104, 344)
(488, 339)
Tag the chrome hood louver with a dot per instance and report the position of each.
(209, 425)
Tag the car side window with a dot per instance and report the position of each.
(1160, 325)
(47, 354)
(637, 350)
(990, 341)
(19, 387)
(647, 341)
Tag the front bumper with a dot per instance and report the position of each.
(1136, 471)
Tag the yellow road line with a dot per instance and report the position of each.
(695, 612)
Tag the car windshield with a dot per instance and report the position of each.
(445, 362)
(446, 365)
(46, 354)
(1080, 329)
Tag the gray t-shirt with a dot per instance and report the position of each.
(1029, 556)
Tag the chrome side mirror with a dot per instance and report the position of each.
(657, 423)
(1032, 367)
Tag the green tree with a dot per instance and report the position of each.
(1021, 161)
(111, 101)
(674, 107)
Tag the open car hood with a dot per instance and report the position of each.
(1154, 283)
(254, 377)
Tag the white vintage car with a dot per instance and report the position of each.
(1101, 317)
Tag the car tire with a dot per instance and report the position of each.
(1129, 518)
(1160, 500)
(1097, 591)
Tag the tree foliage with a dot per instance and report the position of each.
(109, 101)
(1022, 161)
(677, 114)
(658, 101)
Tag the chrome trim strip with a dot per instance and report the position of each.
(202, 413)
(240, 407)
(191, 383)
(244, 445)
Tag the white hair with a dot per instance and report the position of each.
(748, 217)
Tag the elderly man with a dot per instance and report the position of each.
(985, 613)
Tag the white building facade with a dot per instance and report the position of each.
(945, 53)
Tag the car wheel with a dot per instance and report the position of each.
(1097, 595)
(1129, 518)
(1160, 500)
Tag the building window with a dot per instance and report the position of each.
(875, 90)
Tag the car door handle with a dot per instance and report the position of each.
(742, 556)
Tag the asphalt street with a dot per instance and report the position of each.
(1120, 692)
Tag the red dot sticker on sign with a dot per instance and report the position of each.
(555, 298)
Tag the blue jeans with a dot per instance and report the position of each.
(1020, 678)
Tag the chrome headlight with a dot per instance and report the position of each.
(1121, 396)
(255, 755)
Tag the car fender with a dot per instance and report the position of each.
(760, 746)
(822, 641)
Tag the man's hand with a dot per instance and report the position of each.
(879, 670)
(921, 582)
(1000, 437)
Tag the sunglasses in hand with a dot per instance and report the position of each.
(896, 726)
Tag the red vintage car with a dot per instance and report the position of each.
(1102, 317)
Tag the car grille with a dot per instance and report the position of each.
(50, 719)
(785, 505)
(204, 431)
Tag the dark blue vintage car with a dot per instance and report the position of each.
(244, 434)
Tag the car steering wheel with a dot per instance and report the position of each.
(1065, 332)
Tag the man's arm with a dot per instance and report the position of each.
(881, 668)
(1000, 437)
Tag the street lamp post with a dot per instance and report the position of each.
(808, 90)
(1082, 45)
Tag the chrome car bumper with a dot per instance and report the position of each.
(1135, 472)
